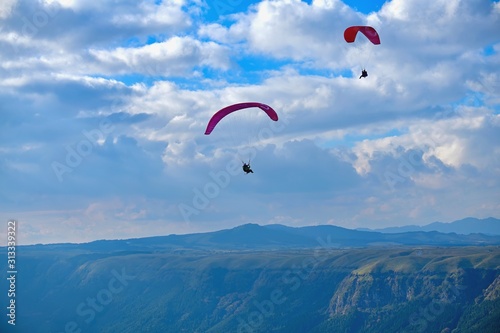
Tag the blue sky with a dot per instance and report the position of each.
(104, 105)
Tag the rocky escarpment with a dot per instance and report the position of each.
(419, 293)
(368, 291)
(417, 275)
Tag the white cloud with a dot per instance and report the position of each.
(463, 139)
(176, 56)
(289, 29)
(6, 8)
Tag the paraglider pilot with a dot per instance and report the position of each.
(246, 168)
(364, 73)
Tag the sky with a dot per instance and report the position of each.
(104, 104)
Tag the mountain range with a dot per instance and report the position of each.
(61, 289)
(254, 278)
(469, 225)
(276, 236)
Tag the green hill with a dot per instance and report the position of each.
(400, 289)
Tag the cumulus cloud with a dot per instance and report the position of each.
(6, 8)
(289, 29)
(174, 57)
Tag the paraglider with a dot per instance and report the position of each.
(246, 168)
(235, 107)
(370, 33)
(364, 73)
(219, 115)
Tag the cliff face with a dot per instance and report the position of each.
(492, 293)
(357, 290)
(433, 292)
(363, 292)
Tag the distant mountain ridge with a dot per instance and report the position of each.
(466, 226)
(259, 279)
(256, 237)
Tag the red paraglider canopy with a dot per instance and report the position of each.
(370, 33)
(235, 107)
